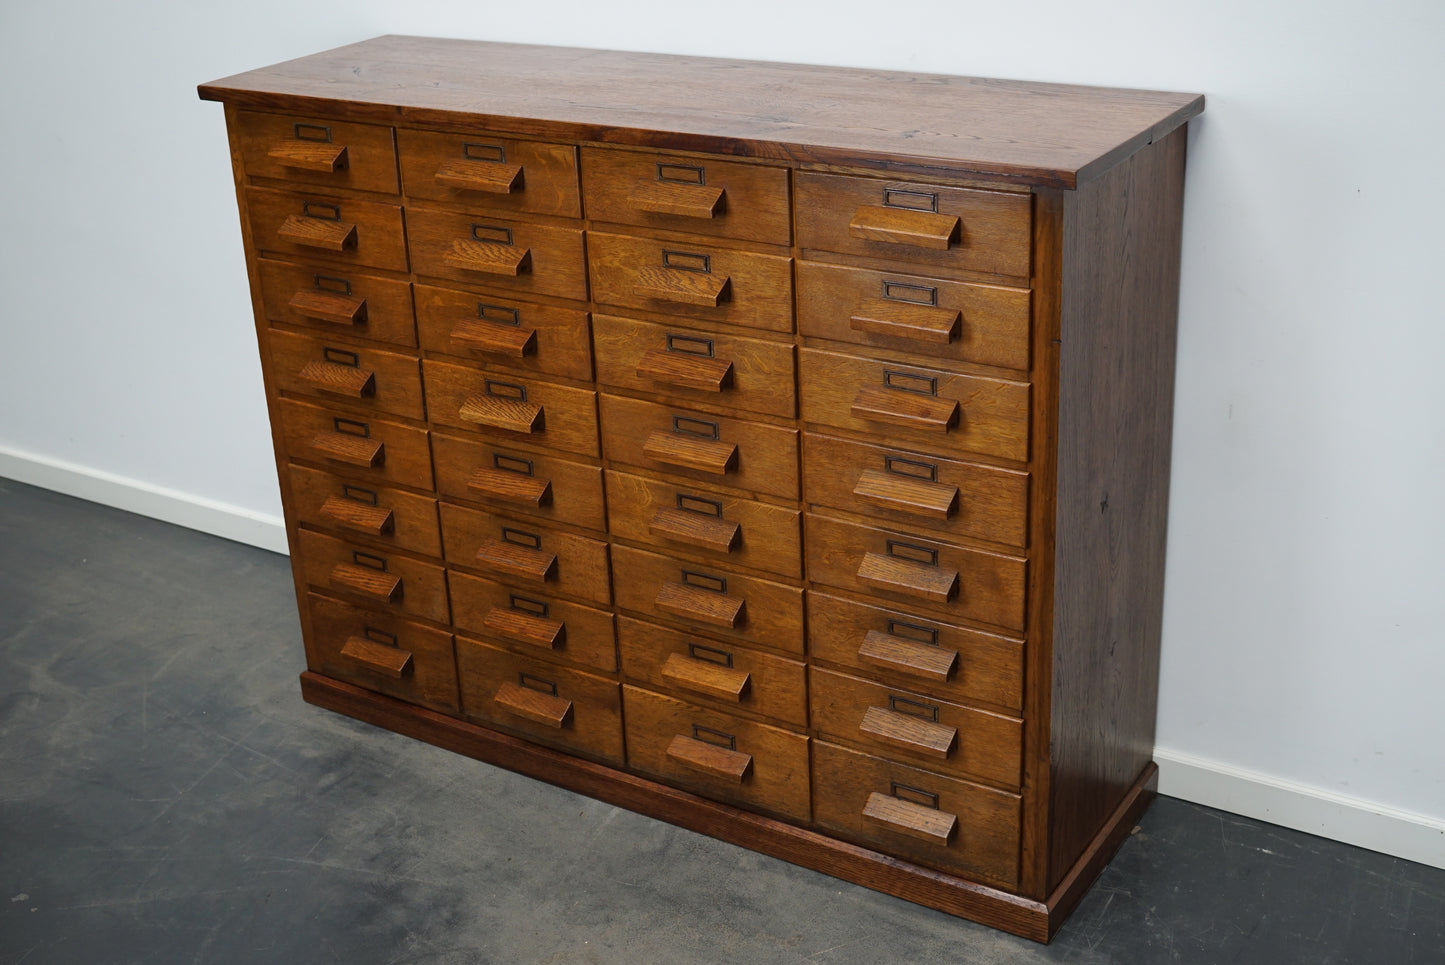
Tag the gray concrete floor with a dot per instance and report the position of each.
(165, 796)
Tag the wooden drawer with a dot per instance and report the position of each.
(523, 619)
(513, 256)
(514, 407)
(943, 320)
(366, 378)
(373, 449)
(927, 408)
(313, 150)
(709, 599)
(338, 300)
(381, 652)
(698, 522)
(490, 173)
(498, 330)
(718, 755)
(941, 578)
(544, 702)
(327, 226)
(518, 481)
(701, 196)
(523, 552)
(702, 367)
(387, 516)
(386, 581)
(923, 224)
(902, 725)
(719, 675)
(954, 826)
(712, 449)
(944, 496)
(690, 280)
(903, 648)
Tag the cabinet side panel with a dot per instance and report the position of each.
(1116, 391)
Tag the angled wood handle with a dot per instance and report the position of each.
(532, 629)
(903, 226)
(686, 370)
(329, 307)
(513, 559)
(511, 487)
(908, 732)
(377, 584)
(681, 286)
(689, 452)
(710, 532)
(705, 677)
(684, 200)
(534, 705)
(362, 517)
(914, 820)
(912, 657)
(352, 450)
(375, 656)
(906, 494)
(488, 258)
(309, 156)
(322, 233)
(709, 758)
(489, 176)
(500, 412)
(909, 577)
(338, 379)
(912, 410)
(920, 323)
(703, 606)
(494, 338)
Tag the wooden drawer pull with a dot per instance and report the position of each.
(514, 559)
(685, 370)
(352, 450)
(909, 577)
(912, 657)
(684, 200)
(309, 155)
(339, 379)
(534, 705)
(706, 677)
(329, 307)
(375, 656)
(711, 532)
(914, 820)
(709, 758)
(529, 628)
(921, 323)
(367, 581)
(362, 517)
(689, 452)
(494, 338)
(703, 606)
(909, 733)
(901, 226)
(500, 412)
(912, 410)
(493, 178)
(905, 494)
(511, 487)
(320, 233)
(489, 258)
(682, 286)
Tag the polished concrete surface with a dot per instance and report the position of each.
(165, 796)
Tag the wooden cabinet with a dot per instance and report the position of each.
(787, 460)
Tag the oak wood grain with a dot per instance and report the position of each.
(511, 549)
(510, 255)
(401, 584)
(374, 449)
(429, 680)
(493, 329)
(373, 379)
(318, 151)
(529, 619)
(517, 408)
(394, 516)
(519, 480)
(337, 301)
(483, 171)
(328, 227)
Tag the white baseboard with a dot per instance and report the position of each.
(1366, 824)
(146, 499)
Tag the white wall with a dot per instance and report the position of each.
(1306, 592)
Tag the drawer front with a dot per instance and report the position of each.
(490, 173)
(338, 300)
(689, 280)
(368, 448)
(383, 580)
(718, 755)
(984, 324)
(313, 150)
(931, 733)
(519, 481)
(699, 522)
(512, 407)
(698, 366)
(701, 196)
(712, 449)
(387, 516)
(512, 256)
(498, 330)
(930, 225)
(903, 648)
(954, 826)
(720, 675)
(523, 619)
(711, 600)
(927, 408)
(904, 568)
(944, 496)
(343, 230)
(381, 652)
(366, 378)
(524, 553)
(544, 702)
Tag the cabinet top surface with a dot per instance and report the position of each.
(1021, 132)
